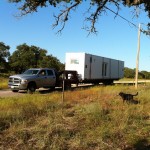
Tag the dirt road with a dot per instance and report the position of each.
(9, 93)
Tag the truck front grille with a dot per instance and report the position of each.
(14, 80)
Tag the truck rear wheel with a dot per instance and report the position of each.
(31, 88)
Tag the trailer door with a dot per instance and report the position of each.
(104, 69)
(90, 70)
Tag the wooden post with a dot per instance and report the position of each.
(63, 92)
(63, 89)
(137, 58)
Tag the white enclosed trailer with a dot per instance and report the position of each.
(94, 69)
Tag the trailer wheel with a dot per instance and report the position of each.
(52, 88)
(67, 86)
(108, 82)
(96, 83)
(31, 87)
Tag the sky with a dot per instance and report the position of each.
(116, 38)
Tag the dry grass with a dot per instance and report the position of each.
(89, 119)
(3, 83)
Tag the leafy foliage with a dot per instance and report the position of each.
(4, 54)
(31, 56)
(96, 7)
(145, 74)
(130, 73)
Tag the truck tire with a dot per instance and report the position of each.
(31, 87)
(15, 91)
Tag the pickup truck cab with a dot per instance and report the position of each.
(33, 79)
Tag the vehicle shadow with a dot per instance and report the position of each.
(59, 89)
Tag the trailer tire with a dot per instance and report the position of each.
(96, 83)
(108, 82)
(67, 86)
(52, 88)
(31, 88)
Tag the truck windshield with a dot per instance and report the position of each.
(31, 72)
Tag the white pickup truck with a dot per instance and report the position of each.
(35, 78)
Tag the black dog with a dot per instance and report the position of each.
(127, 97)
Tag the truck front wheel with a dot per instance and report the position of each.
(15, 90)
(31, 87)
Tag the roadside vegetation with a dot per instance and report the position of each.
(88, 119)
(3, 81)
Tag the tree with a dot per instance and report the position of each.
(51, 62)
(129, 73)
(4, 54)
(96, 7)
(26, 57)
(145, 74)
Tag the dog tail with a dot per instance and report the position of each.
(136, 94)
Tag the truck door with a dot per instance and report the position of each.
(51, 78)
(42, 78)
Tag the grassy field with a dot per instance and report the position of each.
(89, 119)
(3, 83)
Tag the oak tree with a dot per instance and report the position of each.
(4, 54)
(25, 57)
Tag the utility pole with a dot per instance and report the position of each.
(137, 58)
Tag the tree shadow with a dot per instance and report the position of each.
(59, 89)
(142, 144)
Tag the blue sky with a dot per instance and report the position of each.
(116, 38)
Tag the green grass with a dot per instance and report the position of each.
(89, 119)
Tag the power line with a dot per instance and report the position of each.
(139, 31)
(124, 18)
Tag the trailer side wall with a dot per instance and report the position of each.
(92, 67)
(75, 61)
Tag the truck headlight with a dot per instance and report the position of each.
(24, 81)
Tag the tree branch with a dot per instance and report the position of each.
(94, 16)
(134, 2)
(99, 6)
(63, 17)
